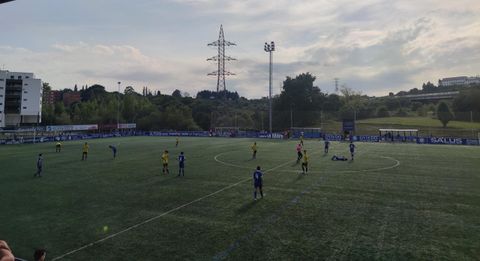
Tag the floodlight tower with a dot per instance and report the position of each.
(220, 58)
(118, 107)
(269, 48)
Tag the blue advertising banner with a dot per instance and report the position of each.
(244, 134)
(333, 137)
(443, 140)
(367, 138)
(471, 142)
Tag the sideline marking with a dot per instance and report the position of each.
(163, 214)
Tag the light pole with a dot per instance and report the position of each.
(269, 48)
(118, 108)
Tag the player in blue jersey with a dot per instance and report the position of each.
(39, 166)
(257, 182)
(339, 158)
(181, 164)
(327, 145)
(114, 150)
(352, 149)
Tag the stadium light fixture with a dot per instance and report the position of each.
(269, 48)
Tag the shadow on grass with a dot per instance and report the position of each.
(246, 207)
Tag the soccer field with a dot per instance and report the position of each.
(393, 202)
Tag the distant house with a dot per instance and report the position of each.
(71, 97)
(460, 80)
(51, 96)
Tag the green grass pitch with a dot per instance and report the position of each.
(394, 202)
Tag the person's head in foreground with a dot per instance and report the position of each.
(5, 252)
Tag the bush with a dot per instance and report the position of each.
(444, 114)
(383, 112)
(401, 113)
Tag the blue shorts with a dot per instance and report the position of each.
(181, 165)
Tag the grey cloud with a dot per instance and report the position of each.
(387, 52)
(136, 75)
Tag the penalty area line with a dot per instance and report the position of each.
(161, 215)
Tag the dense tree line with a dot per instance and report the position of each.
(300, 104)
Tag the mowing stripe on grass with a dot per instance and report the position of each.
(265, 221)
(161, 215)
(222, 255)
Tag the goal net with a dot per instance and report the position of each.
(227, 131)
(308, 133)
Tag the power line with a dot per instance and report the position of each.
(221, 58)
(336, 85)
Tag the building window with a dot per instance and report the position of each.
(1, 88)
(26, 84)
(1, 80)
(27, 77)
(24, 99)
(12, 77)
(1, 95)
(24, 108)
(19, 77)
(25, 92)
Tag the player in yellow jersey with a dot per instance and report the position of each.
(305, 162)
(254, 149)
(58, 146)
(165, 162)
(85, 151)
(176, 142)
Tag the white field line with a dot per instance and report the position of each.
(164, 213)
(397, 163)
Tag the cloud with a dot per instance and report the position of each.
(66, 65)
(376, 46)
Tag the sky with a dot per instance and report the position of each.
(372, 46)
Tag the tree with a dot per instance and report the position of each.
(46, 87)
(177, 94)
(301, 98)
(429, 87)
(332, 103)
(129, 90)
(75, 89)
(444, 114)
(93, 91)
(383, 112)
(466, 105)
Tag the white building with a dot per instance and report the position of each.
(460, 80)
(20, 99)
